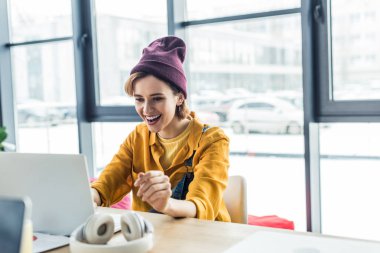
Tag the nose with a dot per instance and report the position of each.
(147, 108)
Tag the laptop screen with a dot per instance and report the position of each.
(57, 185)
(11, 224)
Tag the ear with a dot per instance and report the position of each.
(180, 99)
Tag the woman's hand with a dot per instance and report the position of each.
(96, 197)
(155, 189)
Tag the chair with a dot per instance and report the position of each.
(235, 197)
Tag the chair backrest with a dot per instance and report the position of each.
(235, 197)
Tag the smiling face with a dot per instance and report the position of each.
(156, 103)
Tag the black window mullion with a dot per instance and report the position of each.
(84, 77)
(32, 42)
(311, 128)
(85, 39)
(241, 17)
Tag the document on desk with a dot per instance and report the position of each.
(275, 242)
(43, 242)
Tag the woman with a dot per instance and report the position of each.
(172, 162)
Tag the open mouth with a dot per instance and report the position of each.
(152, 119)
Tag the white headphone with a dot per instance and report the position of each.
(95, 234)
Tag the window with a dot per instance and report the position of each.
(355, 75)
(349, 179)
(108, 138)
(44, 91)
(347, 88)
(243, 94)
(348, 72)
(43, 77)
(123, 30)
(39, 19)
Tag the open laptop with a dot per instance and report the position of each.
(57, 185)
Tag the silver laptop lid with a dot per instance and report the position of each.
(57, 184)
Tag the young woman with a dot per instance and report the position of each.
(172, 163)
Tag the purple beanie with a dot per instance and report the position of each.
(163, 58)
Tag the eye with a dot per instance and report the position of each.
(157, 99)
(139, 100)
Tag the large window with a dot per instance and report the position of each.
(123, 30)
(347, 80)
(108, 138)
(39, 19)
(349, 179)
(43, 76)
(246, 76)
(355, 51)
(348, 75)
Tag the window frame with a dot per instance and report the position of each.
(6, 91)
(7, 106)
(327, 109)
(94, 111)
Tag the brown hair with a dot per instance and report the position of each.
(181, 111)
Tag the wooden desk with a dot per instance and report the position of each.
(188, 235)
(193, 235)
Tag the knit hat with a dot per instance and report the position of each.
(163, 58)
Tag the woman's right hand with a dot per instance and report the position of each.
(155, 189)
(97, 201)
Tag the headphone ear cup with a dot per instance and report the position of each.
(148, 227)
(132, 226)
(98, 229)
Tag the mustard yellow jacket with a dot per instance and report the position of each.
(141, 152)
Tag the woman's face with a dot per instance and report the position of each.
(156, 103)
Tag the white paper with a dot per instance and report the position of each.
(44, 242)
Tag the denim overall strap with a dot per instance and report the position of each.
(180, 191)
(182, 188)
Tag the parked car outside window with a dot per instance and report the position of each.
(265, 115)
(37, 113)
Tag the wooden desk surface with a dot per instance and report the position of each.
(193, 235)
(189, 235)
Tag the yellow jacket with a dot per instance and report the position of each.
(141, 152)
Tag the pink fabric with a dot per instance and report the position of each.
(125, 203)
(270, 221)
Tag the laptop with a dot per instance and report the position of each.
(14, 215)
(57, 185)
(292, 242)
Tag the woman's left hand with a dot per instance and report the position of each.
(155, 189)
